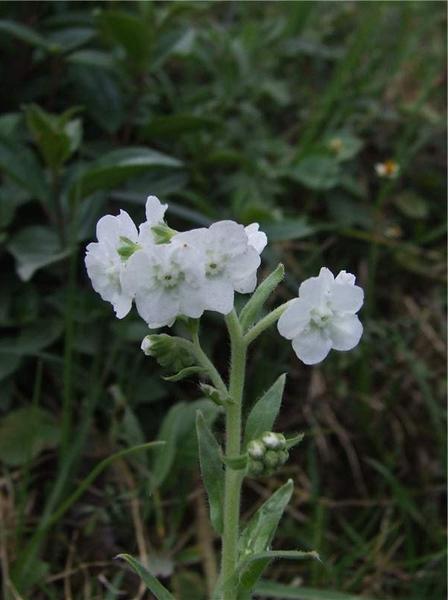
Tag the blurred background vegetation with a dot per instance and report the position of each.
(274, 112)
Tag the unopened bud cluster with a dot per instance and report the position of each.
(267, 453)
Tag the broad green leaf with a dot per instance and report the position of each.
(187, 372)
(257, 536)
(129, 31)
(56, 136)
(291, 229)
(316, 172)
(33, 248)
(169, 433)
(24, 433)
(119, 165)
(212, 470)
(261, 294)
(264, 412)
(27, 35)
(272, 589)
(19, 163)
(153, 584)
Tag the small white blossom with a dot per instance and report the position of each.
(256, 449)
(389, 169)
(106, 259)
(166, 281)
(323, 316)
(230, 263)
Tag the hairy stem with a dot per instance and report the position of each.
(233, 478)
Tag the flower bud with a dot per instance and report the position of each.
(271, 459)
(273, 440)
(255, 467)
(167, 351)
(256, 449)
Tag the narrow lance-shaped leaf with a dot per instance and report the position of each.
(169, 433)
(272, 589)
(263, 414)
(262, 293)
(257, 536)
(211, 469)
(153, 584)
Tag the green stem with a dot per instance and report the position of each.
(266, 322)
(233, 478)
(205, 362)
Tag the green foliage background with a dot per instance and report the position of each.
(275, 112)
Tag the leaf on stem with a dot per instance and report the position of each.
(261, 294)
(211, 469)
(264, 412)
(257, 536)
(153, 584)
(186, 373)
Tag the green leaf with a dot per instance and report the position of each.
(33, 248)
(259, 531)
(293, 441)
(57, 136)
(19, 163)
(272, 589)
(264, 412)
(119, 165)
(32, 339)
(212, 470)
(130, 32)
(9, 363)
(169, 433)
(153, 584)
(24, 433)
(249, 570)
(96, 59)
(27, 35)
(316, 172)
(257, 537)
(187, 372)
(255, 304)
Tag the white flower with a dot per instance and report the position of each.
(155, 212)
(106, 259)
(389, 169)
(257, 239)
(146, 345)
(230, 263)
(166, 281)
(323, 316)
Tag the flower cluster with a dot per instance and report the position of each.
(168, 274)
(266, 454)
(323, 316)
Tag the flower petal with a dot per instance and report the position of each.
(315, 289)
(157, 307)
(346, 297)
(109, 228)
(311, 346)
(345, 332)
(155, 210)
(295, 318)
(218, 295)
(257, 239)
